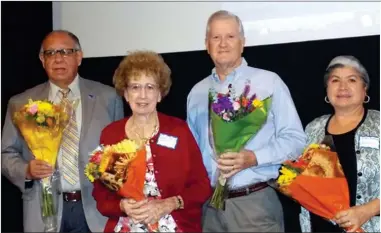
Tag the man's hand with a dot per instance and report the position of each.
(231, 163)
(38, 169)
(134, 209)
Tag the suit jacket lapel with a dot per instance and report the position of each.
(88, 99)
(42, 94)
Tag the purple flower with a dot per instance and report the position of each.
(246, 90)
(217, 108)
(225, 103)
(250, 104)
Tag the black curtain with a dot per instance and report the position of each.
(23, 26)
(301, 65)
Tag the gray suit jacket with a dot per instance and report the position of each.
(100, 106)
(368, 165)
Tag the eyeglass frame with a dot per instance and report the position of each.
(145, 86)
(62, 52)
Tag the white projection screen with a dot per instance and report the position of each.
(113, 28)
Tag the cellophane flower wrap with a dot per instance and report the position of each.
(121, 167)
(316, 181)
(234, 120)
(41, 123)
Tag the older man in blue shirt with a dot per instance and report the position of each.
(251, 205)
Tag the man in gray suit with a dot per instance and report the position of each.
(61, 55)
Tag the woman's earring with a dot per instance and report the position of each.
(367, 100)
(326, 99)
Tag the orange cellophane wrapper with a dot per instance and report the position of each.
(134, 185)
(321, 187)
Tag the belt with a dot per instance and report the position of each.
(247, 190)
(72, 196)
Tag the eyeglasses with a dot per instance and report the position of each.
(137, 88)
(63, 52)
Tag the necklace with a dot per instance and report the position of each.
(139, 131)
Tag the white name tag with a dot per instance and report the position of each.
(167, 141)
(370, 142)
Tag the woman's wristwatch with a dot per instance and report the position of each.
(180, 203)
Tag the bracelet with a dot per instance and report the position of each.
(179, 203)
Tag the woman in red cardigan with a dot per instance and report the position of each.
(176, 183)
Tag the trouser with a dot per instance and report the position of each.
(260, 211)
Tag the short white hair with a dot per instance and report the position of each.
(349, 61)
(223, 14)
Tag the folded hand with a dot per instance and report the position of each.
(353, 218)
(158, 208)
(231, 163)
(134, 209)
(38, 169)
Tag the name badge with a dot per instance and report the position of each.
(167, 141)
(370, 142)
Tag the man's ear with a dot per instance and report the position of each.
(243, 41)
(207, 45)
(42, 59)
(79, 57)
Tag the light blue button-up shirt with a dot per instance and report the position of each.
(281, 137)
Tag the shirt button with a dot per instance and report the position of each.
(357, 151)
(359, 174)
(154, 155)
(151, 140)
(161, 191)
(358, 197)
(156, 172)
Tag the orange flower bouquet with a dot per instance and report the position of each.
(316, 180)
(120, 167)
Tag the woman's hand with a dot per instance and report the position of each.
(158, 208)
(353, 218)
(134, 209)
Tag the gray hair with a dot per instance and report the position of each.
(350, 61)
(223, 14)
(77, 45)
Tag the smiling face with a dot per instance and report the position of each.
(61, 69)
(224, 42)
(345, 88)
(142, 94)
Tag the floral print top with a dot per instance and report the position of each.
(151, 191)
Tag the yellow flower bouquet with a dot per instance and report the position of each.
(41, 123)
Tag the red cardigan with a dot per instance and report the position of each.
(180, 171)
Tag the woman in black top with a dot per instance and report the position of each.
(355, 132)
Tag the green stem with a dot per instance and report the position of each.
(47, 201)
(217, 200)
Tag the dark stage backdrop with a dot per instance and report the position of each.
(301, 65)
(23, 26)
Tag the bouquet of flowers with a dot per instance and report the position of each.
(120, 167)
(41, 124)
(234, 120)
(316, 180)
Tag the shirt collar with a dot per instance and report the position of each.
(74, 88)
(232, 74)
